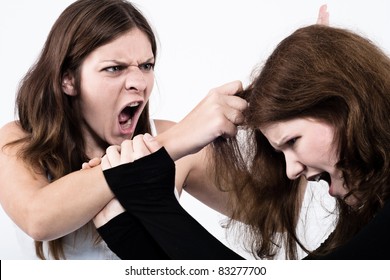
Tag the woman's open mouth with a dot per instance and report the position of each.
(127, 118)
(322, 176)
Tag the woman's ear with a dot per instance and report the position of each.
(68, 84)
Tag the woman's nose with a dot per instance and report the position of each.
(135, 79)
(294, 168)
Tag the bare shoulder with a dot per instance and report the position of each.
(10, 132)
(162, 125)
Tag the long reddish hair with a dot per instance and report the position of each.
(328, 74)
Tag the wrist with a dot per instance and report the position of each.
(172, 141)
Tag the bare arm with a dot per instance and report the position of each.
(44, 210)
(200, 182)
(218, 114)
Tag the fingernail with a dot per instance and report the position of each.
(148, 137)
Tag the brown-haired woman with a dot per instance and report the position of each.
(318, 111)
(88, 90)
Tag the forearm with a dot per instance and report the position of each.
(217, 115)
(66, 204)
(176, 142)
(145, 188)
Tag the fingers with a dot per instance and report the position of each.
(226, 108)
(323, 15)
(228, 88)
(92, 163)
(235, 117)
(235, 108)
(232, 106)
(113, 155)
(152, 144)
(111, 158)
(105, 163)
(139, 147)
(236, 103)
(129, 151)
(85, 165)
(230, 130)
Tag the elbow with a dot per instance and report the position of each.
(39, 229)
(38, 232)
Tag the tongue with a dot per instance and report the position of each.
(124, 116)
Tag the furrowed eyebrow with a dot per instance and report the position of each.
(149, 60)
(112, 61)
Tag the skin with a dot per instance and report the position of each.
(120, 74)
(323, 15)
(309, 151)
(112, 77)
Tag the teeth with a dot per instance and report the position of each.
(317, 178)
(127, 124)
(134, 104)
(322, 176)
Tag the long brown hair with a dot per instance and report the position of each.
(54, 142)
(328, 74)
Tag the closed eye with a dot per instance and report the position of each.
(291, 142)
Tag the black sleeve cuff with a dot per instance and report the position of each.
(145, 188)
(129, 240)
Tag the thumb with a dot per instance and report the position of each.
(151, 143)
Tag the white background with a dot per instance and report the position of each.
(202, 44)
